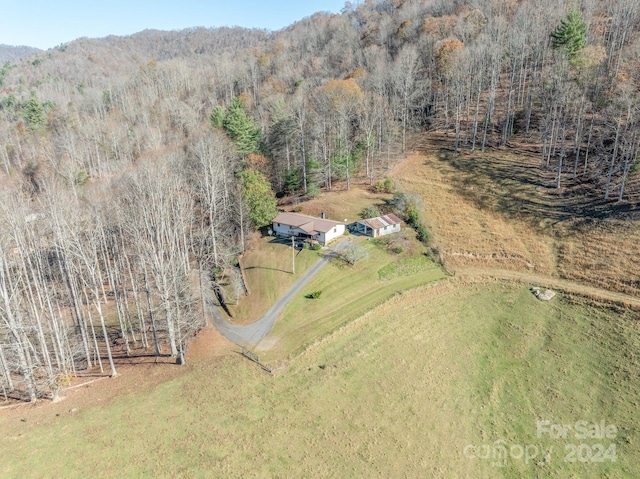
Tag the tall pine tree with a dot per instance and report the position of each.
(241, 128)
(33, 114)
(571, 34)
(259, 197)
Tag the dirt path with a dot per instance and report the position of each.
(251, 334)
(551, 283)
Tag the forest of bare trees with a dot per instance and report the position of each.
(130, 165)
(10, 53)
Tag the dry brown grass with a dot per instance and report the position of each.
(499, 209)
(466, 234)
(340, 204)
(605, 256)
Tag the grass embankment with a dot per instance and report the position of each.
(399, 392)
(349, 292)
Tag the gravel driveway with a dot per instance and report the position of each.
(251, 334)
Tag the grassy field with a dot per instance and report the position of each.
(347, 292)
(400, 392)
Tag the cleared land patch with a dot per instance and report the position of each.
(465, 233)
(340, 204)
(499, 209)
(402, 390)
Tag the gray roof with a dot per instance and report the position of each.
(306, 223)
(381, 221)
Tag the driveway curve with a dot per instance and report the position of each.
(251, 334)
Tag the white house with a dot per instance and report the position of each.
(380, 226)
(307, 227)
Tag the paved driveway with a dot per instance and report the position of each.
(251, 334)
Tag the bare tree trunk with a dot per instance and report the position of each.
(553, 134)
(14, 327)
(579, 135)
(475, 115)
(562, 148)
(77, 302)
(106, 335)
(136, 299)
(150, 309)
(613, 159)
(112, 284)
(628, 163)
(98, 357)
(586, 153)
(5, 372)
(508, 122)
(31, 281)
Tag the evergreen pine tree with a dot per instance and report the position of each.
(259, 197)
(217, 116)
(33, 114)
(241, 128)
(571, 34)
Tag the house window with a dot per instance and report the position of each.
(335, 230)
(278, 225)
(385, 227)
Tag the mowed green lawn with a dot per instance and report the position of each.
(268, 273)
(403, 391)
(347, 293)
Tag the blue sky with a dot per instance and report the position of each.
(47, 23)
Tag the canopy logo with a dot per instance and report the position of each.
(587, 450)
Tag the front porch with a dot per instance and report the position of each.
(365, 229)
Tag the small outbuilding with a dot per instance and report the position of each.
(379, 226)
(307, 228)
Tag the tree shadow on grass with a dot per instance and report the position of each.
(140, 356)
(266, 267)
(518, 188)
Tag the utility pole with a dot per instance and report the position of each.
(293, 256)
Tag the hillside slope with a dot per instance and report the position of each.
(10, 53)
(496, 210)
